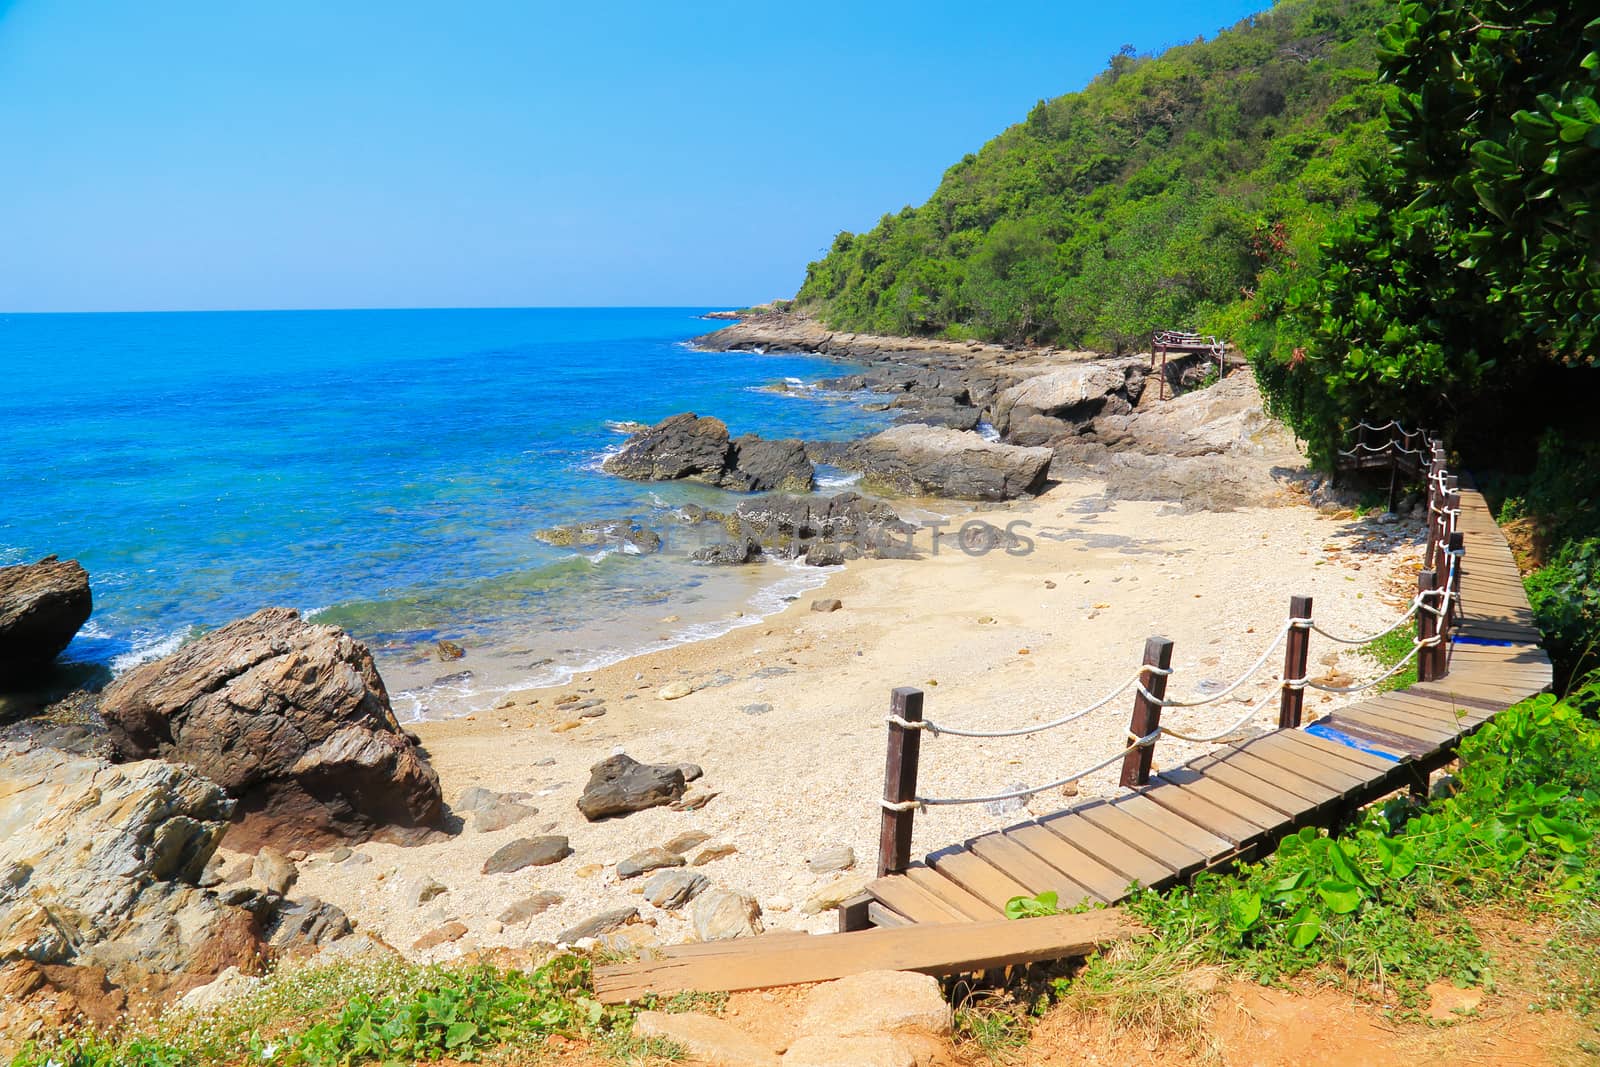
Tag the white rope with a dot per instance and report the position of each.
(936, 728)
(903, 805)
(1245, 677)
(1018, 794)
(1388, 446)
(1246, 717)
(1417, 604)
(1416, 647)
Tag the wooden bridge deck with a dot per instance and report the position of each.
(945, 915)
(1240, 799)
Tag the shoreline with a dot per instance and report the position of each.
(786, 717)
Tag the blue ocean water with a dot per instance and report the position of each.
(383, 469)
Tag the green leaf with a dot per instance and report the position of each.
(1033, 907)
(1341, 897)
(1244, 908)
(1304, 926)
(1341, 864)
(459, 1034)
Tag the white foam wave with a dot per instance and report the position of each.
(987, 431)
(150, 646)
(836, 479)
(598, 460)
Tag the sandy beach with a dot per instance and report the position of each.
(787, 717)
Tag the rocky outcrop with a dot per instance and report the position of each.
(42, 607)
(699, 449)
(99, 865)
(292, 720)
(1049, 406)
(630, 536)
(931, 461)
(1211, 449)
(823, 530)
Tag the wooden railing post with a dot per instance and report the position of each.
(1394, 471)
(1451, 594)
(1439, 521)
(1296, 653)
(1147, 712)
(900, 781)
(1427, 622)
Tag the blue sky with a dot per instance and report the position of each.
(179, 155)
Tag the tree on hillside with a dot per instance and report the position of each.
(1477, 269)
(1133, 204)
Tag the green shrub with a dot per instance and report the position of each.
(1383, 902)
(1565, 595)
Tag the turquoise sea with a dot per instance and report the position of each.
(384, 471)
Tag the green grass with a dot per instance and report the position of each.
(1389, 650)
(992, 1024)
(369, 1011)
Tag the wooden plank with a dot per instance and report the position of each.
(1030, 870)
(1084, 868)
(1314, 793)
(1456, 717)
(973, 907)
(1463, 685)
(1116, 854)
(1409, 748)
(1444, 726)
(1291, 806)
(937, 950)
(1431, 703)
(1438, 691)
(1426, 738)
(1196, 804)
(1363, 764)
(914, 902)
(1159, 846)
(980, 878)
(723, 948)
(1190, 834)
(1186, 782)
(1498, 631)
(1281, 752)
(885, 917)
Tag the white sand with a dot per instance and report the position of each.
(808, 774)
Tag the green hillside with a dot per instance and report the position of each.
(1156, 197)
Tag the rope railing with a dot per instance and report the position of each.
(1162, 701)
(921, 802)
(937, 728)
(1432, 611)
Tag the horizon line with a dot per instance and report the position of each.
(420, 307)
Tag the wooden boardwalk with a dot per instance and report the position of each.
(945, 914)
(1237, 801)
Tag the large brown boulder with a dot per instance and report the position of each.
(42, 606)
(291, 719)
